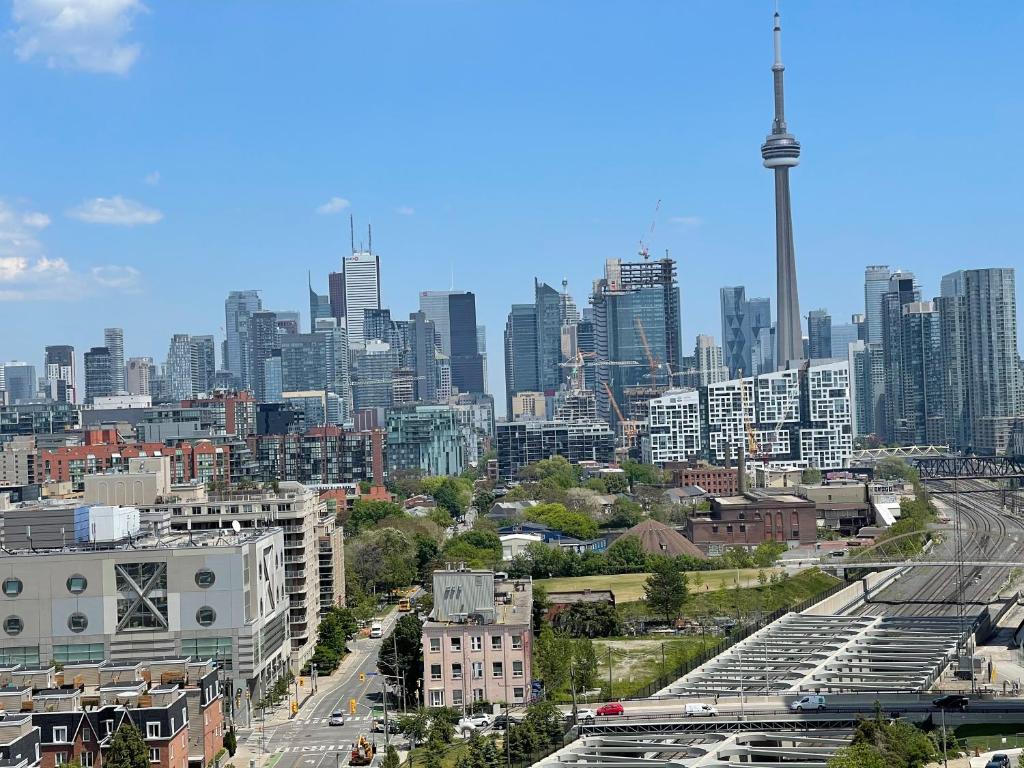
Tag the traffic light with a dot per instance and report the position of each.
(295, 706)
(351, 706)
(362, 677)
(302, 681)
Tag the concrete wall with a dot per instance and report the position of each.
(854, 595)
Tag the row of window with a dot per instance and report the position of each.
(476, 643)
(437, 696)
(79, 622)
(477, 667)
(77, 584)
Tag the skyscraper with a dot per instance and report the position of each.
(60, 373)
(708, 360)
(743, 321)
(819, 334)
(876, 285)
(435, 307)
(636, 318)
(97, 374)
(903, 290)
(336, 295)
(238, 310)
(319, 305)
(466, 361)
(178, 370)
(780, 152)
(843, 335)
(361, 274)
(336, 348)
(137, 377)
(204, 363)
(422, 358)
(548, 303)
(520, 352)
(922, 417)
(113, 339)
(263, 335)
(20, 382)
(481, 347)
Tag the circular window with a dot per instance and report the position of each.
(77, 584)
(205, 616)
(205, 578)
(13, 625)
(13, 586)
(77, 622)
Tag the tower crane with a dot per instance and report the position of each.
(652, 361)
(629, 428)
(644, 250)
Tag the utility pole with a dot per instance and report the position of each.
(663, 660)
(945, 757)
(610, 672)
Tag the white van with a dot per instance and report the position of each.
(808, 702)
(700, 710)
(376, 630)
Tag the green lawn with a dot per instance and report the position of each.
(629, 587)
(988, 736)
(766, 598)
(635, 662)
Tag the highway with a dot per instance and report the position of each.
(988, 534)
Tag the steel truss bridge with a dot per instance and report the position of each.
(870, 455)
(949, 468)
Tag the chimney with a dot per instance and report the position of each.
(741, 470)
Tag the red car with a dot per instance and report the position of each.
(612, 708)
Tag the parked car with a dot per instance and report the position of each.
(700, 710)
(481, 720)
(584, 715)
(808, 702)
(611, 708)
(952, 701)
(378, 726)
(337, 718)
(999, 760)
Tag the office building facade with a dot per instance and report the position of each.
(98, 382)
(239, 308)
(361, 275)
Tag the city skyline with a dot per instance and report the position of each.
(711, 228)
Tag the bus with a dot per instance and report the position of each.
(405, 605)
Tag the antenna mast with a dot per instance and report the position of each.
(352, 231)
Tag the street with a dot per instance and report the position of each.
(307, 740)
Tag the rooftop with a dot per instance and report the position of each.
(146, 540)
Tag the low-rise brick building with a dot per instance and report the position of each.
(755, 517)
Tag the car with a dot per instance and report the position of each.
(952, 701)
(611, 708)
(378, 726)
(584, 715)
(337, 718)
(808, 702)
(700, 710)
(480, 720)
(376, 630)
(999, 760)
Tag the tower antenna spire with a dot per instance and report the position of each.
(352, 231)
(369, 236)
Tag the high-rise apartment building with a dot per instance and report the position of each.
(59, 362)
(337, 351)
(549, 308)
(466, 360)
(178, 369)
(422, 358)
(19, 382)
(263, 336)
(204, 363)
(876, 285)
(424, 438)
(843, 335)
(520, 352)
(743, 321)
(239, 308)
(819, 334)
(137, 375)
(304, 362)
(709, 361)
(113, 339)
(361, 276)
(636, 318)
(98, 382)
(922, 419)
(903, 290)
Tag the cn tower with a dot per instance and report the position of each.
(781, 151)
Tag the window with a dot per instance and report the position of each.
(517, 669)
(27, 655)
(205, 578)
(13, 586)
(456, 698)
(86, 734)
(435, 671)
(60, 733)
(437, 698)
(153, 730)
(76, 584)
(435, 644)
(743, 529)
(497, 669)
(517, 694)
(517, 642)
(496, 643)
(154, 754)
(87, 759)
(456, 671)
(108, 727)
(77, 622)
(478, 694)
(13, 625)
(478, 670)
(60, 758)
(216, 648)
(205, 616)
(76, 653)
(456, 643)
(476, 643)
(141, 595)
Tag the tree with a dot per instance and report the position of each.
(626, 555)
(646, 474)
(523, 741)
(382, 559)
(557, 517)
(231, 742)
(546, 720)
(127, 749)
(408, 666)
(390, 758)
(584, 665)
(767, 552)
(477, 548)
(436, 747)
(442, 723)
(415, 725)
(557, 469)
(666, 590)
(551, 652)
(625, 514)
(597, 619)
(810, 476)
(481, 753)
(540, 606)
(858, 756)
(366, 513)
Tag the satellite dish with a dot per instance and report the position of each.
(235, 526)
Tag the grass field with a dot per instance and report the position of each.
(629, 587)
(635, 662)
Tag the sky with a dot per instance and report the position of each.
(155, 156)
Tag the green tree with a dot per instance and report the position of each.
(767, 552)
(557, 469)
(436, 747)
(666, 590)
(127, 749)
(480, 753)
(810, 476)
(626, 555)
(366, 513)
(858, 756)
(382, 559)
(616, 484)
(230, 742)
(646, 474)
(546, 720)
(584, 665)
(523, 741)
(624, 514)
(408, 665)
(415, 725)
(552, 650)
(540, 607)
(557, 517)
(390, 758)
(597, 619)
(442, 723)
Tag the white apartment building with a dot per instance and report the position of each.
(674, 427)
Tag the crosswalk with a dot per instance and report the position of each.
(344, 748)
(324, 720)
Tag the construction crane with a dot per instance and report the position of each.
(752, 447)
(652, 361)
(629, 428)
(644, 250)
(580, 359)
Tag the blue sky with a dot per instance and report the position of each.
(157, 156)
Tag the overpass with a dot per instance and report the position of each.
(971, 468)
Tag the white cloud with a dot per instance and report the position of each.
(332, 206)
(28, 274)
(405, 210)
(152, 178)
(690, 222)
(77, 34)
(115, 210)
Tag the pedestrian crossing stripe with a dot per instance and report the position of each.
(346, 748)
